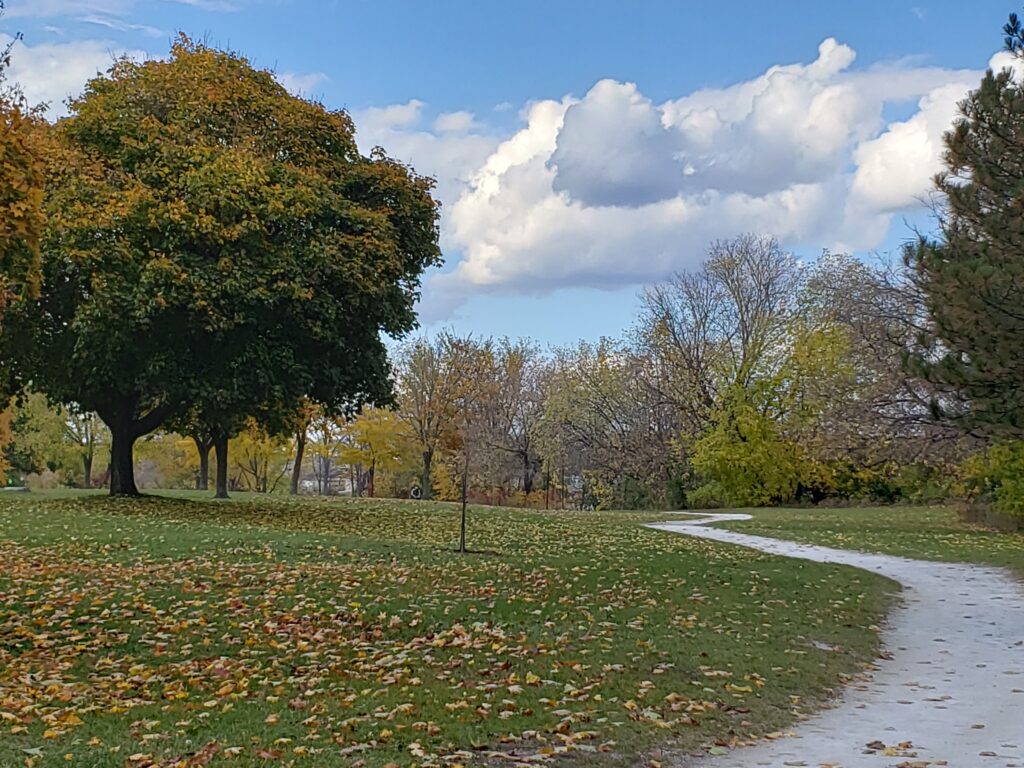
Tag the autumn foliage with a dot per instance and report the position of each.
(165, 634)
(21, 193)
(219, 246)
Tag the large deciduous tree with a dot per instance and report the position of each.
(724, 325)
(216, 244)
(511, 408)
(21, 191)
(433, 379)
(973, 275)
(600, 417)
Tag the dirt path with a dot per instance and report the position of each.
(953, 686)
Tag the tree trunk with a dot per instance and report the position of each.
(203, 449)
(527, 474)
(125, 428)
(369, 478)
(425, 489)
(300, 449)
(122, 459)
(561, 490)
(220, 447)
(87, 470)
(462, 519)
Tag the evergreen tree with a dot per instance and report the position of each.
(972, 279)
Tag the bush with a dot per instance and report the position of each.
(922, 483)
(992, 484)
(675, 493)
(46, 480)
(708, 496)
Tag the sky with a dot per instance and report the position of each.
(586, 148)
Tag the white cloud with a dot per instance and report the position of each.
(612, 189)
(301, 84)
(451, 156)
(613, 149)
(455, 122)
(1006, 60)
(894, 171)
(121, 26)
(51, 72)
(393, 116)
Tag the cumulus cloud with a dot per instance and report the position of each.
(53, 72)
(894, 170)
(611, 189)
(405, 115)
(451, 153)
(455, 122)
(613, 149)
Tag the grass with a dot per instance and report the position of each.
(928, 533)
(263, 632)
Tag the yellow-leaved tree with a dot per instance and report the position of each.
(261, 459)
(21, 213)
(21, 190)
(374, 442)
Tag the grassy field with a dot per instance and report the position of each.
(929, 533)
(177, 632)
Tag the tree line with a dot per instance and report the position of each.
(756, 379)
(203, 260)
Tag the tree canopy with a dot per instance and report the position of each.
(21, 191)
(216, 244)
(972, 276)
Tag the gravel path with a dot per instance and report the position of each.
(951, 691)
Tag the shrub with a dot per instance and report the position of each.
(708, 496)
(46, 480)
(992, 484)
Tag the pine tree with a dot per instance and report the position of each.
(972, 278)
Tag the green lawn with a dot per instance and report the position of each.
(260, 632)
(929, 533)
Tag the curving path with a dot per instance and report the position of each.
(952, 685)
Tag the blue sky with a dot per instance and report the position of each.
(584, 149)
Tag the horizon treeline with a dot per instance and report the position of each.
(195, 261)
(756, 379)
